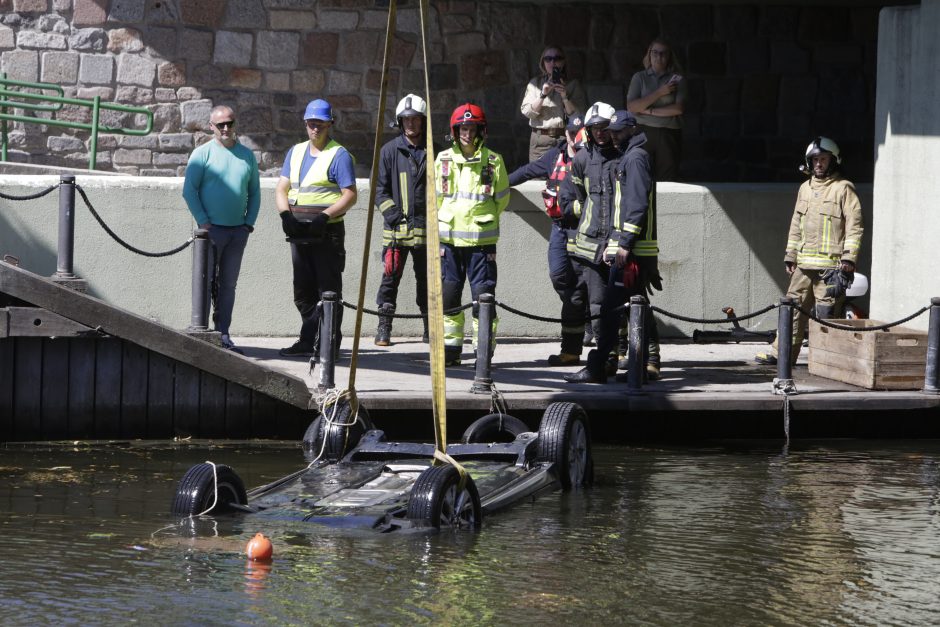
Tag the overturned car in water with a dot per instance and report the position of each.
(359, 479)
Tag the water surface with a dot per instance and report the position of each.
(822, 533)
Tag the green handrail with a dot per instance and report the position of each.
(54, 103)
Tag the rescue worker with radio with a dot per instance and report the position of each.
(823, 243)
(554, 164)
(624, 239)
(472, 193)
(400, 195)
(316, 188)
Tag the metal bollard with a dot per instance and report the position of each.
(66, 253)
(932, 373)
(636, 366)
(483, 378)
(783, 384)
(327, 337)
(199, 320)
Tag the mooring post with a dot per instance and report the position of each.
(199, 321)
(66, 253)
(783, 384)
(483, 378)
(932, 374)
(327, 337)
(636, 368)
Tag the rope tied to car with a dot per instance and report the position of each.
(120, 241)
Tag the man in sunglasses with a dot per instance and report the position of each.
(316, 188)
(222, 191)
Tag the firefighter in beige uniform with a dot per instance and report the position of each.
(822, 247)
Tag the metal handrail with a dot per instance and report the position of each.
(56, 104)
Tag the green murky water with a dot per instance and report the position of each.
(825, 533)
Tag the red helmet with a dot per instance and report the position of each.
(468, 114)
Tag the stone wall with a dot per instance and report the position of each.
(763, 79)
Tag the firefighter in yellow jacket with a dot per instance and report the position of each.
(824, 241)
(472, 192)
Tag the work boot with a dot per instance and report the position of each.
(425, 337)
(652, 371)
(766, 359)
(298, 349)
(564, 359)
(588, 334)
(383, 334)
(594, 372)
(452, 355)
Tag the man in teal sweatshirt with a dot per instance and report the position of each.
(222, 190)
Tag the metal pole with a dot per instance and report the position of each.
(783, 384)
(932, 374)
(483, 378)
(199, 320)
(636, 369)
(65, 256)
(327, 337)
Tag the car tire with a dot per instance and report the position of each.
(196, 491)
(340, 439)
(436, 500)
(565, 440)
(494, 428)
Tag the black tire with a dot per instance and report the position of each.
(435, 500)
(196, 491)
(565, 440)
(340, 439)
(494, 428)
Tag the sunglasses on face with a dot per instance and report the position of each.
(659, 53)
(549, 57)
(224, 125)
(316, 124)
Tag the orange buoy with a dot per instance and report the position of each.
(259, 548)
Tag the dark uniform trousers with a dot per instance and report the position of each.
(565, 281)
(394, 259)
(318, 267)
(462, 263)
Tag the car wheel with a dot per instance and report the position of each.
(565, 440)
(494, 428)
(437, 501)
(340, 437)
(196, 491)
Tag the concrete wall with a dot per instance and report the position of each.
(907, 186)
(722, 244)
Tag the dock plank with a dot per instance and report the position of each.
(6, 385)
(237, 411)
(55, 387)
(211, 406)
(27, 388)
(186, 401)
(134, 375)
(81, 387)
(108, 360)
(160, 396)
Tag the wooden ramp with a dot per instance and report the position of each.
(72, 366)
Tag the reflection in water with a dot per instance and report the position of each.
(671, 535)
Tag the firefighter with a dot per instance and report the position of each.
(555, 164)
(589, 189)
(400, 195)
(472, 192)
(629, 247)
(823, 244)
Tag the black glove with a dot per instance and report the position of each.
(317, 224)
(289, 224)
(837, 282)
(649, 275)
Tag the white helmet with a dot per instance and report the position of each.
(820, 145)
(598, 113)
(411, 105)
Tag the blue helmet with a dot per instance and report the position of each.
(319, 110)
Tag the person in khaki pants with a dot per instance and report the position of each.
(822, 247)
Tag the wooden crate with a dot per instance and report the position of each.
(894, 359)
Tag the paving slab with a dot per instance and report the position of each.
(695, 377)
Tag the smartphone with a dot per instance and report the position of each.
(556, 74)
(675, 79)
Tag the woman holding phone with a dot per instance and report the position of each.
(656, 97)
(549, 99)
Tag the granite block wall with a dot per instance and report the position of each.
(763, 79)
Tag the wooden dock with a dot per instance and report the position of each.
(74, 367)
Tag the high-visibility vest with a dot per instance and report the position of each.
(316, 190)
(471, 195)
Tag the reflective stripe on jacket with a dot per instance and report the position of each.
(471, 195)
(316, 190)
(401, 193)
(590, 185)
(634, 223)
(827, 225)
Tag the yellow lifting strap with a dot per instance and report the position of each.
(435, 303)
